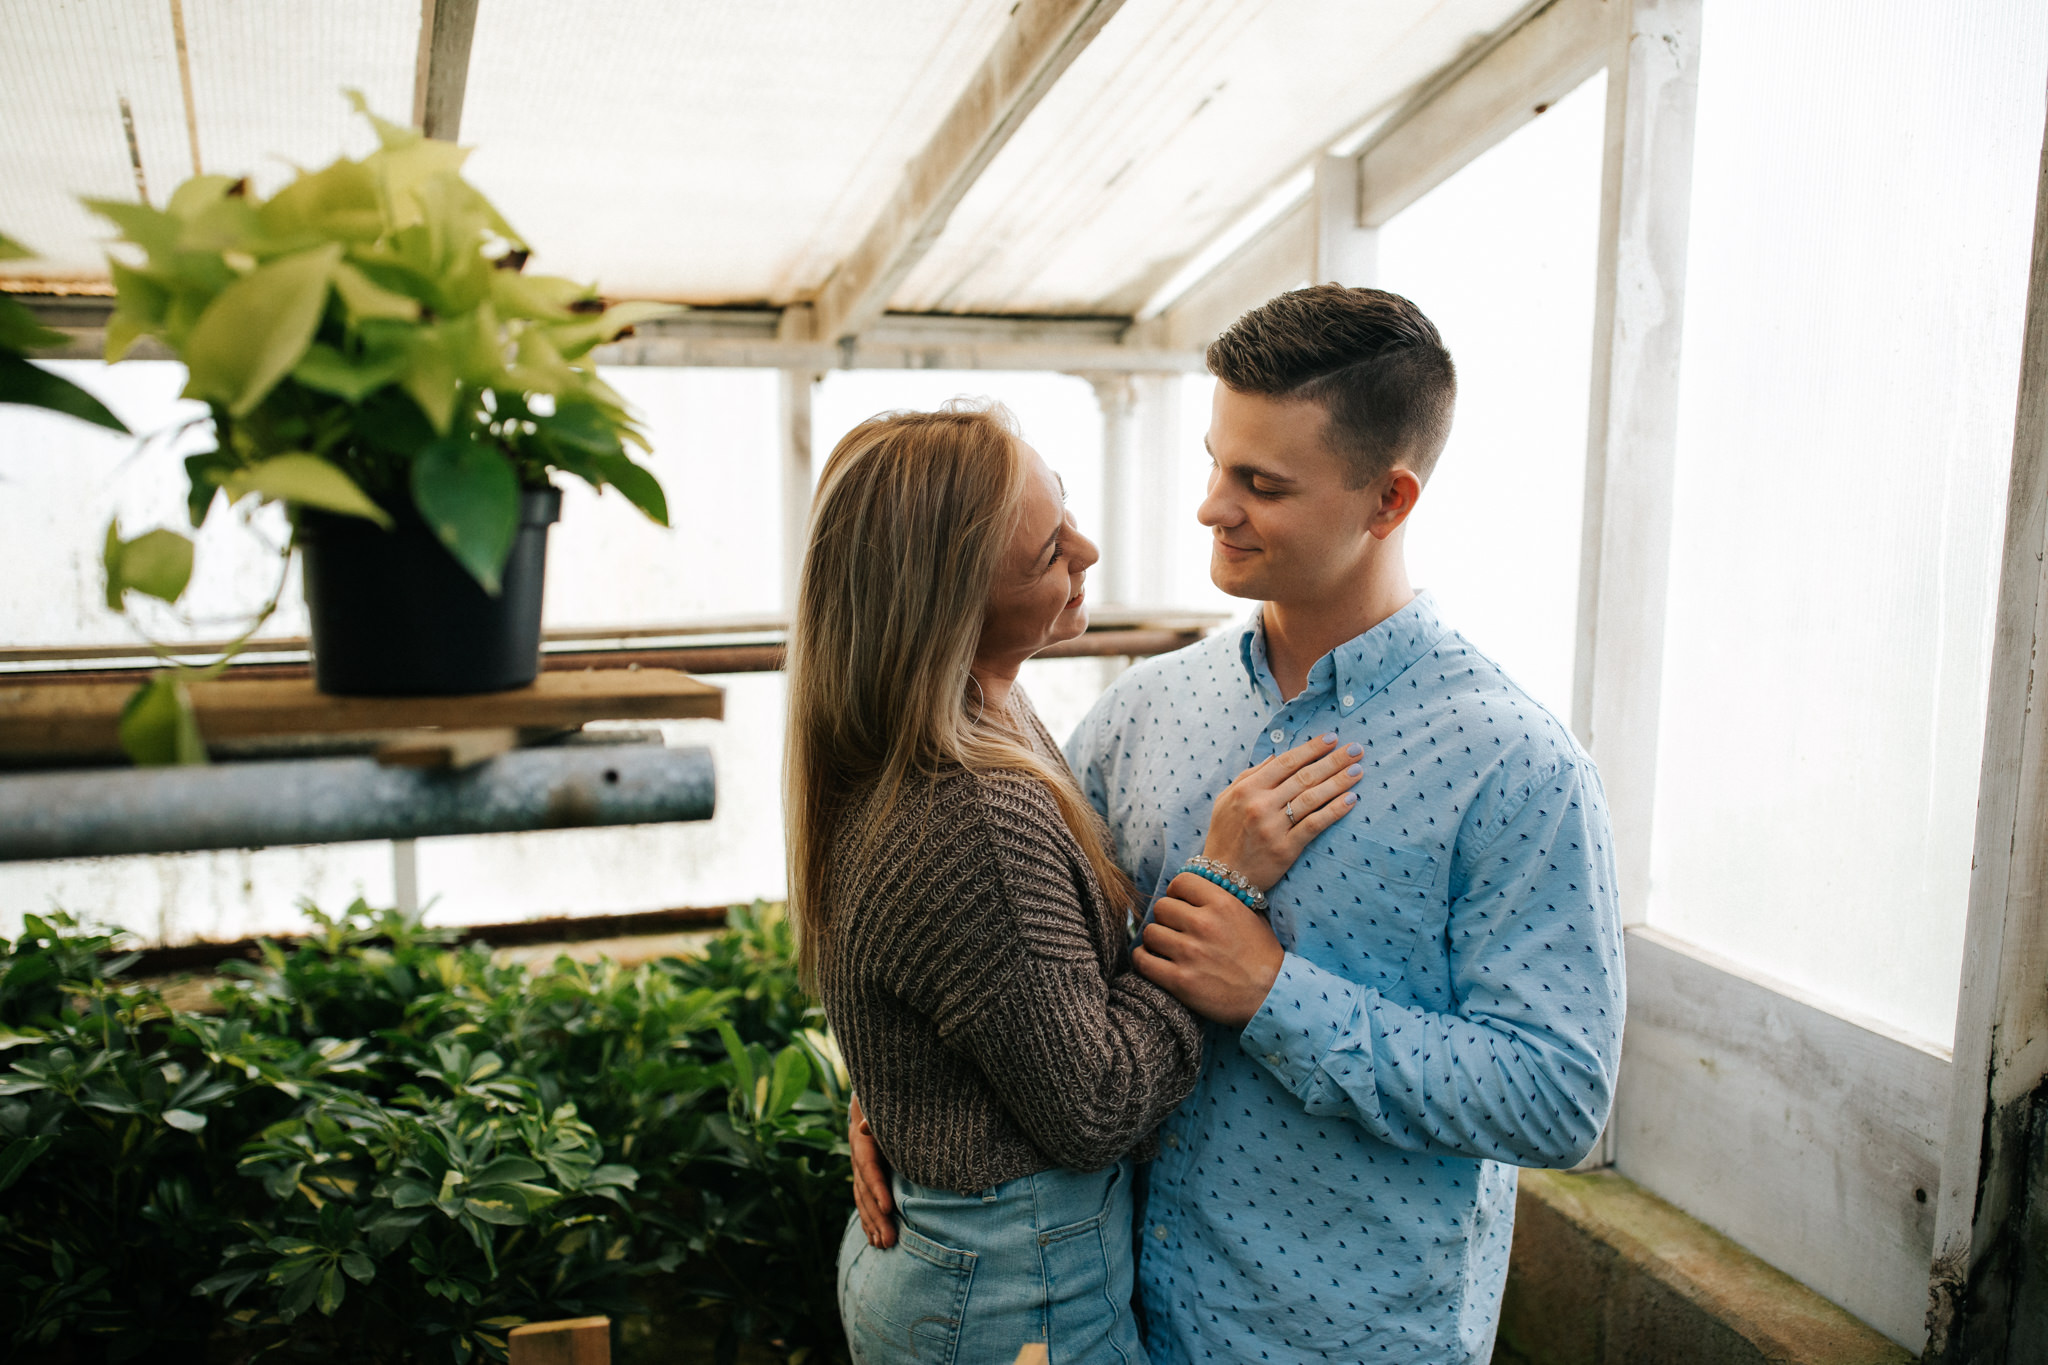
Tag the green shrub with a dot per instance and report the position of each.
(384, 1147)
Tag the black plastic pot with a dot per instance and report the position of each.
(394, 615)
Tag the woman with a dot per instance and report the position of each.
(957, 907)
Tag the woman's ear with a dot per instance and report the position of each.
(1398, 490)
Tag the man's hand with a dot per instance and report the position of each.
(1209, 949)
(870, 1180)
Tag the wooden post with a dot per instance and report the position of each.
(1156, 522)
(572, 1341)
(1347, 252)
(1632, 430)
(795, 429)
(1118, 570)
(441, 76)
(1989, 1291)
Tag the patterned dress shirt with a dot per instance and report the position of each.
(1340, 1186)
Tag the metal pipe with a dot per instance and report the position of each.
(340, 800)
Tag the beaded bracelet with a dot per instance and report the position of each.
(1227, 877)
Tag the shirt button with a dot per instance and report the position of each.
(1172, 1140)
(1349, 699)
(1159, 1231)
(1273, 1058)
(1279, 735)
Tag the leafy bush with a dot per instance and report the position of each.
(384, 1147)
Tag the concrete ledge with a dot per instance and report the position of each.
(1605, 1273)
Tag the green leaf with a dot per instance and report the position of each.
(505, 1209)
(155, 231)
(576, 338)
(11, 250)
(184, 1120)
(140, 306)
(308, 481)
(792, 1076)
(333, 1288)
(11, 1036)
(366, 299)
(256, 330)
(507, 1170)
(388, 134)
(536, 296)
(157, 563)
(469, 496)
(351, 377)
(584, 428)
(19, 330)
(742, 1063)
(158, 726)
(197, 195)
(32, 386)
(339, 201)
(431, 379)
(204, 473)
(641, 488)
(16, 1156)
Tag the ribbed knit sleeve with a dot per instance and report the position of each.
(1086, 1064)
(981, 990)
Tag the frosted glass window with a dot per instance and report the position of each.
(717, 452)
(1863, 197)
(1057, 413)
(1501, 257)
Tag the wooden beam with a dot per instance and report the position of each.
(572, 1341)
(688, 351)
(1999, 1107)
(1278, 259)
(60, 717)
(441, 74)
(770, 339)
(1541, 56)
(1042, 39)
(1632, 427)
(1535, 59)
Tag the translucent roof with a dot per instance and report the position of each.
(728, 151)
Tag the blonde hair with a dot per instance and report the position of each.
(912, 517)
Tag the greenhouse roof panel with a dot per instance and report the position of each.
(1178, 118)
(731, 151)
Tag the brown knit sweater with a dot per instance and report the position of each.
(982, 993)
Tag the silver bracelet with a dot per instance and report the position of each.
(1229, 878)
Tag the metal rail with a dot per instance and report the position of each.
(342, 800)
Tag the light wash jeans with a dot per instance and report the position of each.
(974, 1277)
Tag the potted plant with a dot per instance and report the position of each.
(373, 355)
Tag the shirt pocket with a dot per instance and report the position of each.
(1373, 912)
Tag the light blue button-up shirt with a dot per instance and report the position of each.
(1340, 1186)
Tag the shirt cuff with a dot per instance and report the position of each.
(1298, 1024)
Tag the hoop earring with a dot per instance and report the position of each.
(980, 700)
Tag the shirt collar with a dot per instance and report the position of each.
(1359, 668)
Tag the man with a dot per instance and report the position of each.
(1437, 998)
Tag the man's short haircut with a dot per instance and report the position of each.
(1370, 358)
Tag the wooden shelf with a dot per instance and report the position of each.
(59, 719)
